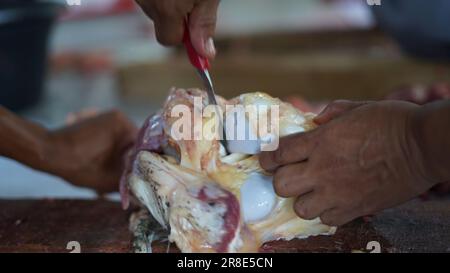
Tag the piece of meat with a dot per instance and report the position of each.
(151, 138)
(207, 200)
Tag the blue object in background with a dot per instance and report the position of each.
(421, 27)
(24, 31)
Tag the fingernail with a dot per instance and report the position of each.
(323, 111)
(210, 48)
(318, 119)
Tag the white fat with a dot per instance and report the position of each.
(257, 100)
(185, 224)
(190, 215)
(257, 197)
(291, 129)
(237, 242)
(147, 196)
(222, 150)
(233, 158)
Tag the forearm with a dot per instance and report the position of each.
(23, 141)
(432, 132)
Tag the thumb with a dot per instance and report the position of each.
(202, 24)
(336, 109)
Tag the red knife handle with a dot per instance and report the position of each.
(196, 60)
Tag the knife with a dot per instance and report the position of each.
(202, 66)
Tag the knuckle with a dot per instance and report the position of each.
(302, 210)
(279, 184)
(166, 38)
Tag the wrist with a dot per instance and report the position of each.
(23, 141)
(49, 152)
(425, 132)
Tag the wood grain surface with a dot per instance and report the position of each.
(102, 226)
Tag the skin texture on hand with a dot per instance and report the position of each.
(88, 153)
(91, 153)
(169, 19)
(363, 158)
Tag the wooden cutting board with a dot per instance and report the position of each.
(102, 226)
(50, 225)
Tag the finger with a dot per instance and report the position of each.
(337, 217)
(149, 8)
(202, 24)
(168, 18)
(310, 206)
(289, 181)
(336, 109)
(169, 30)
(291, 149)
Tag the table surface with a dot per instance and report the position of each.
(49, 226)
(102, 226)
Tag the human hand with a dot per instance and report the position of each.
(361, 159)
(169, 19)
(90, 152)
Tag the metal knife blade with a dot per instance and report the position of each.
(207, 82)
(202, 65)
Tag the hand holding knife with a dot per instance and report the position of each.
(202, 66)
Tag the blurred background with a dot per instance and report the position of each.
(58, 57)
